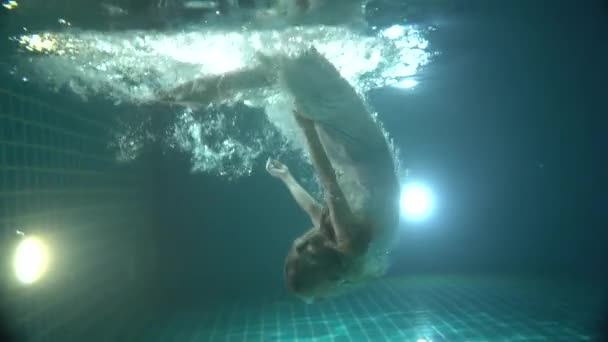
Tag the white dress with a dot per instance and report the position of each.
(355, 146)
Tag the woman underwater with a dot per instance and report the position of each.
(355, 228)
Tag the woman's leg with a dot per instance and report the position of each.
(206, 90)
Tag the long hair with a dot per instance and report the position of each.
(312, 260)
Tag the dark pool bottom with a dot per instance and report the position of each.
(417, 309)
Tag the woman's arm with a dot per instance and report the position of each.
(345, 225)
(302, 197)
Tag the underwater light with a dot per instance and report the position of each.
(416, 201)
(10, 5)
(31, 260)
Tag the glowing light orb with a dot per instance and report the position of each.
(416, 202)
(31, 260)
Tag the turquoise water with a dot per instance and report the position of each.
(162, 224)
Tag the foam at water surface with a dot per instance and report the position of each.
(133, 66)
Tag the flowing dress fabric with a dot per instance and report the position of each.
(355, 146)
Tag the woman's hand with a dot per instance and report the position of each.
(276, 168)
